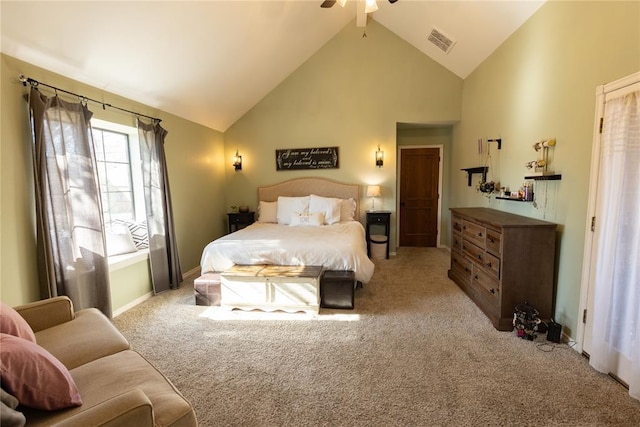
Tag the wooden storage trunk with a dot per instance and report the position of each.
(269, 288)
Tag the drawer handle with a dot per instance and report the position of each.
(492, 240)
(475, 277)
(479, 234)
(479, 256)
(467, 270)
(493, 291)
(489, 264)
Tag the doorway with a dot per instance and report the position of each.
(420, 180)
(608, 301)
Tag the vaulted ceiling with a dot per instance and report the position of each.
(212, 61)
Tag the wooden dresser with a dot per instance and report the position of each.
(501, 260)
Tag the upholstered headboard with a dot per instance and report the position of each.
(305, 186)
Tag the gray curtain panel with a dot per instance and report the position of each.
(70, 230)
(163, 248)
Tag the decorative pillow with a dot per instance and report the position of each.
(268, 212)
(13, 324)
(330, 206)
(34, 376)
(120, 242)
(307, 219)
(347, 209)
(290, 205)
(138, 231)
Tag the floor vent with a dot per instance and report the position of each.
(443, 42)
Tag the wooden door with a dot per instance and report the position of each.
(419, 182)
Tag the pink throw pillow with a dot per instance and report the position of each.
(34, 376)
(13, 324)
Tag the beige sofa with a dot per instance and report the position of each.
(118, 386)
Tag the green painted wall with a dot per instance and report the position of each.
(541, 84)
(350, 94)
(196, 175)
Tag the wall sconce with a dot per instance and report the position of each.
(379, 157)
(237, 161)
(373, 191)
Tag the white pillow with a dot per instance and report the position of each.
(120, 242)
(328, 205)
(291, 205)
(307, 219)
(268, 212)
(347, 209)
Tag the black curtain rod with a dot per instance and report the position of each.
(35, 83)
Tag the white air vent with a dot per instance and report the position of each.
(442, 41)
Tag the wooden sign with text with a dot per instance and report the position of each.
(307, 158)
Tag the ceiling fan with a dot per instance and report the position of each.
(370, 5)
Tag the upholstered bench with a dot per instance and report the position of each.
(206, 289)
(337, 289)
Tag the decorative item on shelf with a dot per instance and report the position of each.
(379, 157)
(243, 209)
(498, 141)
(373, 191)
(484, 186)
(541, 165)
(237, 161)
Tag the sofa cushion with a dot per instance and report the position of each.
(13, 324)
(34, 376)
(111, 376)
(88, 337)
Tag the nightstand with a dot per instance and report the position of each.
(376, 220)
(238, 220)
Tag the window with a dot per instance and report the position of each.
(119, 172)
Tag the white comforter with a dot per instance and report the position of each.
(336, 247)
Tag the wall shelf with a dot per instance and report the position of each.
(513, 200)
(554, 177)
(480, 169)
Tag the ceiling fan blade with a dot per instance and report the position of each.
(328, 3)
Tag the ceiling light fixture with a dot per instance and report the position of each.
(370, 6)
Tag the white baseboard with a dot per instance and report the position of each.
(190, 272)
(132, 304)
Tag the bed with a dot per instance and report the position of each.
(298, 224)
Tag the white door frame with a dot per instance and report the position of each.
(589, 242)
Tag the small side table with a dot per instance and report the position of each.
(378, 218)
(238, 220)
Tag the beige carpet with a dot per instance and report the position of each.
(414, 352)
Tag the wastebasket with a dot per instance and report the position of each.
(378, 244)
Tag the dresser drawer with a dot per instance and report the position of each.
(473, 251)
(456, 222)
(491, 264)
(457, 242)
(494, 242)
(474, 232)
(461, 266)
(488, 283)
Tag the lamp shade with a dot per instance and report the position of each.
(373, 191)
